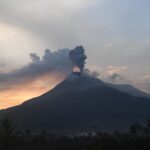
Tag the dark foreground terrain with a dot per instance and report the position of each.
(137, 138)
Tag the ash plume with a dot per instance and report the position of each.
(35, 58)
(59, 63)
(78, 57)
(52, 62)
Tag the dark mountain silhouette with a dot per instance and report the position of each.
(129, 89)
(79, 103)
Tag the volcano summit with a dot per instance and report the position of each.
(78, 103)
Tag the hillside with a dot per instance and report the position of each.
(79, 103)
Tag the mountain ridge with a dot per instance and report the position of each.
(77, 103)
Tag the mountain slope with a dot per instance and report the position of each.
(129, 89)
(78, 103)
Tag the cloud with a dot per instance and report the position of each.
(97, 24)
(115, 69)
(123, 75)
(55, 24)
(56, 63)
(52, 62)
(142, 82)
(114, 74)
(109, 44)
(115, 77)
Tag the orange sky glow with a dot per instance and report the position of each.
(25, 91)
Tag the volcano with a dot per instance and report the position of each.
(79, 103)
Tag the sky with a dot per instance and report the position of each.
(114, 33)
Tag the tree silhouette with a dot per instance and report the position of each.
(137, 138)
(7, 133)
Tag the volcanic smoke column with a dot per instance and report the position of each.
(78, 57)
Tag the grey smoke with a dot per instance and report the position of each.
(35, 58)
(57, 62)
(52, 62)
(94, 73)
(115, 77)
(78, 57)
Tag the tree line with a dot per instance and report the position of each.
(136, 138)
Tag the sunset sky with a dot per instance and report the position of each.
(114, 33)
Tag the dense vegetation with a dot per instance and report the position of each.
(137, 138)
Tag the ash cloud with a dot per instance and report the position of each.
(58, 63)
(78, 57)
(35, 58)
(52, 62)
